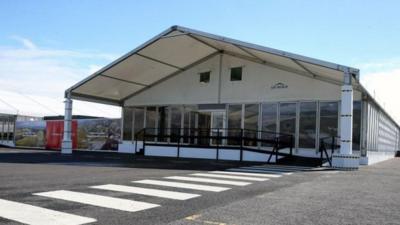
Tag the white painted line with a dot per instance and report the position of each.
(208, 180)
(33, 215)
(183, 185)
(270, 169)
(281, 168)
(257, 171)
(147, 191)
(275, 169)
(229, 177)
(247, 174)
(285, 166)
(327, 171)
(99, 200)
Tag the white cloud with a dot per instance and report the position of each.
(26, 42)
(94, 68)
(384, 85)
(386, 65)
(33, 79)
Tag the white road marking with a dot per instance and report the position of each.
(257, 171)
(147, 191)
(229, 177)
(99, 200)
(247, 174)
(276, 170)
(279, 170)
(285, 166)
(183, 185)
(208, 180)
(328, 171)
(33, 215)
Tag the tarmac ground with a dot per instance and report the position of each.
(296, 196)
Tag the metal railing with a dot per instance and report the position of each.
(326, 144)
(218, 138)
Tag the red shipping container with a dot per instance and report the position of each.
(55, 133)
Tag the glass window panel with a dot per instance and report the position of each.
(328, 119)
(236, 74)
(251, 124)
(193, 130)
(127, 126)
(138, 122)
(5, 129)
(287, 123)
(218, 118)
(11, 130)
(356, 125)
(162, 123)
(1, 128)
(205, 77)
(308, 121)
(287, 117)
(204, 125)
(151, 116)
(176, 120)
(268, 126)
(188, 122)
(234, 124)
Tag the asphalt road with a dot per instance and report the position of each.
(367, 196)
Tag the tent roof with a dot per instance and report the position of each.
(179, 48)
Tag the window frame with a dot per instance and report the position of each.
(231, 73)
(301, 122)
(208, 78)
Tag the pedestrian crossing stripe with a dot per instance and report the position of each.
(199, 187)
(258, 171)
(99, 200)
(209, 180)
(247, 174)
(229, 177)
(34, 215)
(279, 170)
(147, 191)
(285, 166)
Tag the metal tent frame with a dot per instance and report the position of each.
(210, 45)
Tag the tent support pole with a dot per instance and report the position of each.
(66, 147)
(345, 158)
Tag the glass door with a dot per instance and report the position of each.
(203, 127)
(287, 120)
(217, 126)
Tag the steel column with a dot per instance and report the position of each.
(346, 116)
(345, 159)
(67, 139)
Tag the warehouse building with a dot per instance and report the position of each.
(187, 93)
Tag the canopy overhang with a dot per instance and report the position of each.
(178, 49)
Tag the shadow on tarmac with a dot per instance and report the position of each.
(113, 159)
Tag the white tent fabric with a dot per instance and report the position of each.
(179, 48)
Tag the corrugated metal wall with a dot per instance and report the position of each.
(382, 134)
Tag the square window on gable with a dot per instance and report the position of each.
(205, 77)
(236, 73)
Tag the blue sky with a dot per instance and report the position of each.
(78, 37)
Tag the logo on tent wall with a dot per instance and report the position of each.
(279, 85)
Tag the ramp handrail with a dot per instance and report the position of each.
(241, 139)
(328, 143)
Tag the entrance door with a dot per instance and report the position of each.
(203, 127)
(210, 123)
(217, 126)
